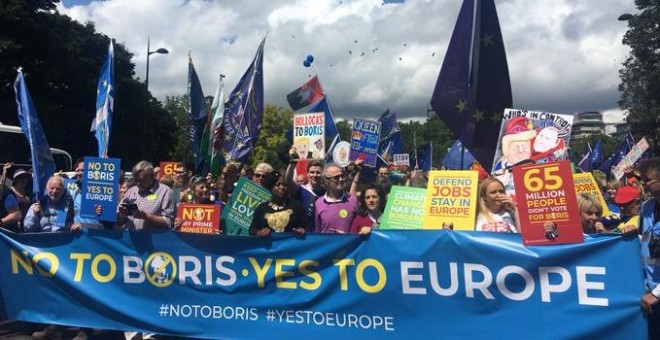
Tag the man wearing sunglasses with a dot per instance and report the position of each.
(260, 171)
(337, 208)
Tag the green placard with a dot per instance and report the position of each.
(404, 208)
(237, 215)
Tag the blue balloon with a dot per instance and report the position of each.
(310, 58)
(306, 63)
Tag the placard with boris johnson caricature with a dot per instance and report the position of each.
(531, 137)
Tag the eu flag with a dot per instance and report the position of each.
(105, 102)
(43, 165)
(458, 157)
(197, 113)
(618, 155)
(244, 111)
(473, 87)
(425, 158)
(597, 155)
(585, 162)
(390, 136)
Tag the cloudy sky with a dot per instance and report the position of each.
(563, 55)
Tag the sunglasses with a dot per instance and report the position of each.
(258, 175)
(335, 178)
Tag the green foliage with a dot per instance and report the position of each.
(415, 133)
(640, 77)
(177, 108)
(272, 147)
(344, 128)
(578, 146)
(61, 60)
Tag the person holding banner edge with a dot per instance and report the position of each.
(337, 208)
(54, 212)
(200, 194)
(370, 210)
(280, 213)
(649, 230)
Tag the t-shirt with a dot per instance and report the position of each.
(278, 218)
(503, 222)
(335, 216)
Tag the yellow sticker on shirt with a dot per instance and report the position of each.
(152, 197)
(343, 213)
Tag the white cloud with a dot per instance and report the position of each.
(563, 55)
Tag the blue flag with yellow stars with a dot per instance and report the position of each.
(105, 101)
(244, 111)
(473, 87)
(43, 165)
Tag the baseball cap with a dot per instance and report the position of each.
(626, 195)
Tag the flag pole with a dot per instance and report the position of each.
(327, 101)
(474, 55)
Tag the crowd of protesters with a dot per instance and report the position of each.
(326, 199)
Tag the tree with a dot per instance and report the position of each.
(62, 60)
(272, 147)
(640, 77)
(577, 146)
(177, 108)
(418, 134)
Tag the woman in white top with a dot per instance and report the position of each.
(496, 211)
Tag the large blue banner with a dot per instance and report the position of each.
(395, 284)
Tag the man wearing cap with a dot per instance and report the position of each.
(628, 198)
(516, 143)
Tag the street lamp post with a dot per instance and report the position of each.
(625, 17)
(146, 82)
(149, 53)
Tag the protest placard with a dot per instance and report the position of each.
(364, 141)
(199, 218)
(531, 137)
(585, 183)
(340, 154)
(100, 187)
(451, 197)
(546, 193)
(168, 168)
(71, 185)
(404, 208)
(309, 135)
(401, 159)
(238, 214)
(633, 156)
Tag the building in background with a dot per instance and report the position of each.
(587, 123)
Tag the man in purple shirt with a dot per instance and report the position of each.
(336, 209)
